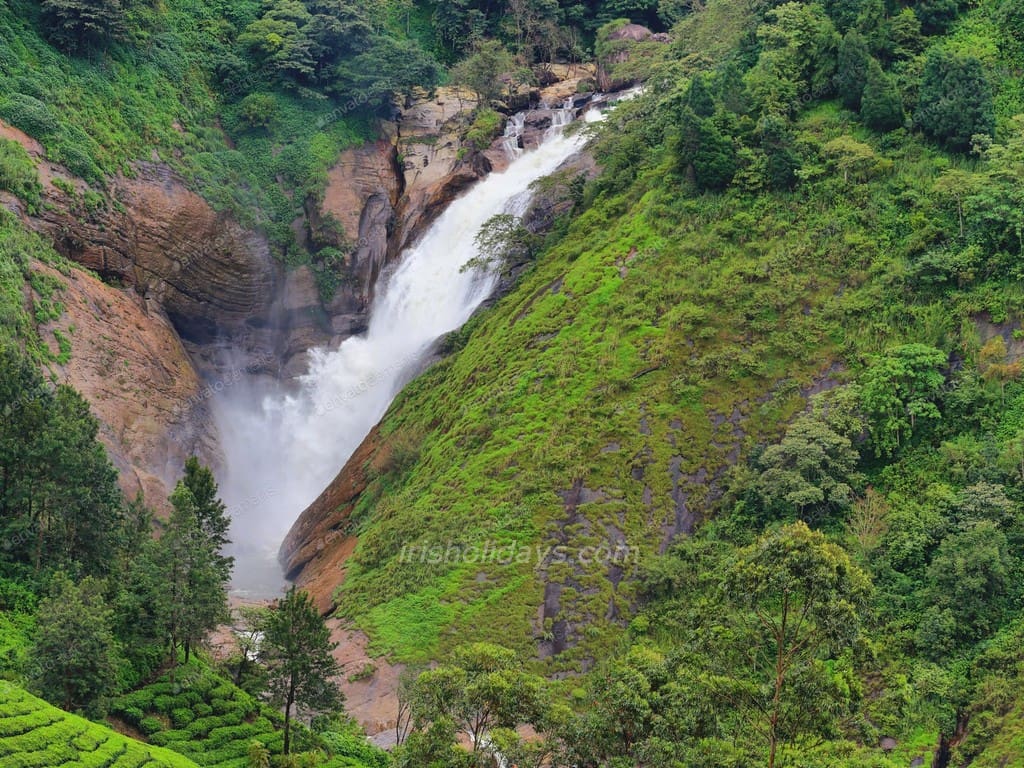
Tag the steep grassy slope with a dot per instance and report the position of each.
(659, 339)
(658, 342)
(34, 734)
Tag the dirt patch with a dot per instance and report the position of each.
(371, 698)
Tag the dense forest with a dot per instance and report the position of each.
(774, 346)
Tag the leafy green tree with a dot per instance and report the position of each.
(806, 598)
(81, 25)
(481, 71)
(812, 469)
(279, 40)
(296, 649)
(389, 67)
(905, 32)
(969, 580)
(955, 100)
(899, 391)
(851, 157)
(503, 242)
(881, 106)
(75, 655)
(483, 688)
(852, 73)
(798, 58)
(843, 13)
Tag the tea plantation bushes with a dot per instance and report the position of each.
(34, 734)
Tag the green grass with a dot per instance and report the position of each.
(659, 334)
(155, 99)
(27, 297)
(34, 734)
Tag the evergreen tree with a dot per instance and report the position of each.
(75, 657)
(699, 97)
(193, 587)
(778, 144)
(851, 77)
(843, 12)
(296, 649)
(705, 154)
(881, 107)
(60, 505)
(937, 15)
(211, 514)
(955, 101)
(78, 25)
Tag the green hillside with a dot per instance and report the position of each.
(732, 475)
(34, 734)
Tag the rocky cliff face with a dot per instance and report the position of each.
(129, 363)
(188, 299)
(127, 357)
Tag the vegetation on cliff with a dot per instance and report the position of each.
(738, 463)
(787, 311)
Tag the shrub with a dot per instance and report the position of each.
(150, 725)
(181, 717)
(485, 128)
(257, 110)
(29, 114)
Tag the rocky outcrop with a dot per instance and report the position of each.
(314, 552)
(363, 189)
(623, 46)
(128, 362)
(436, 167)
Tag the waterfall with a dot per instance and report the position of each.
(513, 130)
(283, 446)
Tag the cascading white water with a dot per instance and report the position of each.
(282, 449)
(513, 130)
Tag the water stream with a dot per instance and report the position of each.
(284, 443)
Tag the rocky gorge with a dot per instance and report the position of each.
(198, 302)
